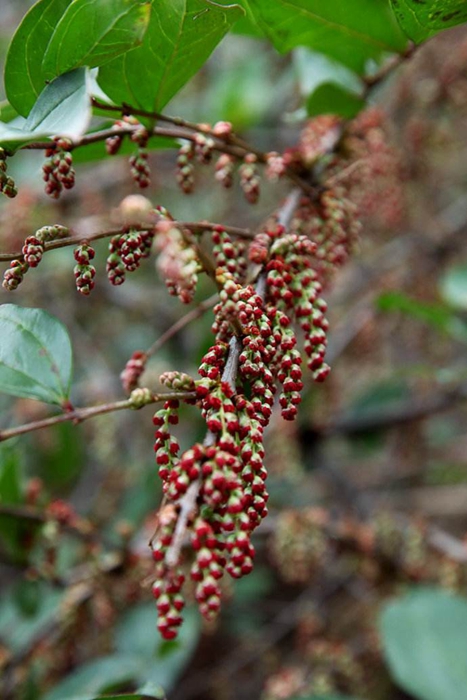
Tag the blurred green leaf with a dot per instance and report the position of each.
(180, 37)
(106, 674)
(379, 397)
(24, 79)
(92, 33)
(141, 657)
(352, 32)
(18, 631)
(439, 317)
(330, 98)
(59, 459)
(165, 661)
(424, 643)
(453, 286)
(328, 86)
(35, 355)
(11, 494)
(421, 19)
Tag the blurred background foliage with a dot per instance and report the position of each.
(368, 490)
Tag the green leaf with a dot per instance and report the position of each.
(421, 19)
(330, 98)
(351, 32)
(24, 78)
(91, 33)
(453, 286)
(424, 644)
(35, 355)
(180, 37)
(63, 107)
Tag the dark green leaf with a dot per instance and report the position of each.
(351, 32)
(92, 33)
(24, 79)
(63, 107)
(35, 355)
(180, 37)
(424, 644)
(330, 98)
(421, 19)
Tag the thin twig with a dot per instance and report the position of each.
(194, 226)
(82, 414)
(181, 323)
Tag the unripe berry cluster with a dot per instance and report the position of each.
(229, 471)
(84, 271)
(177, 261)
(249, 178)
(33, 250)
(134, 368)
(58, 172)
(7, 184)
(126, 252)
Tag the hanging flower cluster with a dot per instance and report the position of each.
(58, 172)
(223, 479)
(177, 260)
(126, 252)
(7, 184)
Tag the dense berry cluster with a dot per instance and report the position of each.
(33, 250)
(58, 169)
(84, 271)
(223, 479)
(126, 252)
(7, 184)
(249, 178)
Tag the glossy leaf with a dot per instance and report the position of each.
(330, 98)
(24, 78)
(424, 644)
(90, 33)
(63, 106)
(180, 37)
(351, 32)
(35, 355)
(421, 19)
